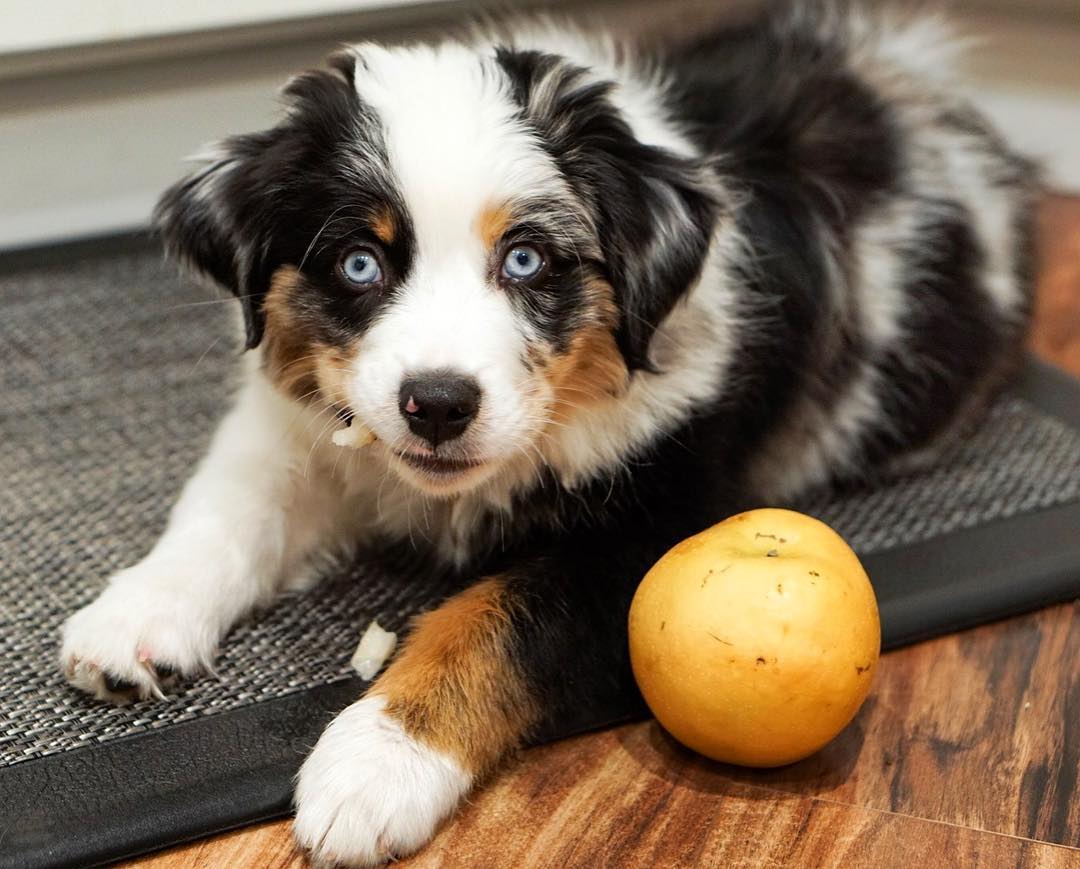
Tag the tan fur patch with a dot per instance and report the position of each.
(332, 374)
(592, 369)
(455, 686)
(384, 226)
(288, 354)
(493, 223)
(293, 358)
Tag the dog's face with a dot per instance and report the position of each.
(457, 247)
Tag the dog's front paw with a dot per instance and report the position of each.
(141, 635)
(369, 792)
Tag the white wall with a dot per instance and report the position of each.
(87, 158)
(1025, 71)
(29, 25)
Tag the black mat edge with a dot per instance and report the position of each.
(164, 788)
(1035, 564)
(160, 788)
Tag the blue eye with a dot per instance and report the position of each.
(523, 261)
(361, 266)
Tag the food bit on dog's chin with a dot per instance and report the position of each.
(375, 647)
(755, 642)
(355, 435)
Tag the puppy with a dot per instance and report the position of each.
(588, 305)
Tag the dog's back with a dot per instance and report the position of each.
(887, 231)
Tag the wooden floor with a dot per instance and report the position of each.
(967, 752)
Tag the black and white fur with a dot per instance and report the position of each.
(795, 253)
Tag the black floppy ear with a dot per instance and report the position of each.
(220, 221)
(654, 210)
(242, 215)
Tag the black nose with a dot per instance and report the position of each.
(439, 405)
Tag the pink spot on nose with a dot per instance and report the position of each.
(411, 406)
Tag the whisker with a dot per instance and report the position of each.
(213, 344)
(202, 302)
(322, 229)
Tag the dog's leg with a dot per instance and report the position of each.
(539, 646)
(243, 521)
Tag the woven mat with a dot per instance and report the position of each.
(112, 375)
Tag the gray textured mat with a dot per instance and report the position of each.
(112, 374)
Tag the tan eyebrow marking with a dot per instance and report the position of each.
(384, 226)
(493, 222)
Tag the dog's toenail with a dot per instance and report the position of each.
(118, 686)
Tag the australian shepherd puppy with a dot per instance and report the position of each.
(588, 304)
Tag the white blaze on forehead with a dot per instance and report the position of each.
(455, 143)
(448, 320)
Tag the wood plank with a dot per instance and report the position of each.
(628, 797)
(266, 846)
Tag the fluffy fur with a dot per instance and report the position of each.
(786, 255)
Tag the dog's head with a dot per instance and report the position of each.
(458, 246)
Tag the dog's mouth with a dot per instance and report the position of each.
(438, 468)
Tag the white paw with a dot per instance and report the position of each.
(369, 792)
(143, 632)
